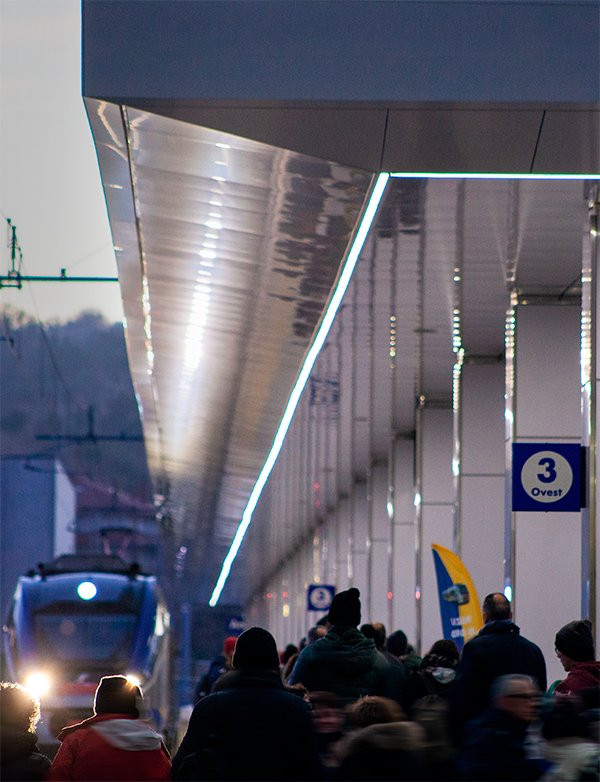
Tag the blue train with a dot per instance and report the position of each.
(81, 617)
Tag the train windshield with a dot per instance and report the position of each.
(87, 636)
(84, 641)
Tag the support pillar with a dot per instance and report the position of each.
(479, 536)
(434, 512)
(590, 375)
(403, 553)
(544, 548)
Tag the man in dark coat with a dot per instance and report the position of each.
(344, 661)
(250, 727)
(498, 649)
(495, 744)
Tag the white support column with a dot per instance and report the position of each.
(379, 543)
(594, 531)
(403, 589)
(343, 543)
(360, 511)
(590, 372)
(546, 408)
(344, 444)
(360, 443)
(481, 480)
(437, 503)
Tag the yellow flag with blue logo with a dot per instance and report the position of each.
(459, 604)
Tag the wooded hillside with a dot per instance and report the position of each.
(50, 378)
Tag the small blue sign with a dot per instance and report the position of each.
(547, 476)
(319, 597)
(235, 625)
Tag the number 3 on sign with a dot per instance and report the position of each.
(549, 474)
(546, 476)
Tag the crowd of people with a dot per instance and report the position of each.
(347, 703)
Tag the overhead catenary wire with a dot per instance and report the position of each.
(44, 335)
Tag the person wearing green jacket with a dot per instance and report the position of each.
(344, 661)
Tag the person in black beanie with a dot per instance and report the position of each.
(574, 645)
(344, 661)
(250, 727)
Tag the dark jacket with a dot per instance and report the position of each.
(346, 663)
(249, 727)
(19, 756)
(497, 649)
(216, 669)
(495, 750)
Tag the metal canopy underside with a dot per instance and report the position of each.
(228, 250)
(440, 250)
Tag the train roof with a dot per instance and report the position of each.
(87, 563)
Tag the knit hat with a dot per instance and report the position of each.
(445, 648)
(575, 640)
(117, 695)
(397, 643)
(256, 648)
(345, 608)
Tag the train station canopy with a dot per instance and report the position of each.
(240, 145)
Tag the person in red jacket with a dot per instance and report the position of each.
(574, 645)
(113, 744)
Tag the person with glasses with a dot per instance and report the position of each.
(495, 742)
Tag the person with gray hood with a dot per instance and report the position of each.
(344, 661)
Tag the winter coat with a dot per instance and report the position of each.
(346, 663)
(390, 751)
(113, 747)
(494, 749)
(573, 760)
(582, 676)
(250, 727)
(216, 669)
(20, 758)
(497, 649)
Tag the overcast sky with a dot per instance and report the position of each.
(49, 179)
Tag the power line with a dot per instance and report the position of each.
(50, 352)
(15, 278)
(90, 436)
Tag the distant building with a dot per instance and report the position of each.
(37, 517)
(113, 522)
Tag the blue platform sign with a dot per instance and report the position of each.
(547, 477)
(235, 625)
(319, 597)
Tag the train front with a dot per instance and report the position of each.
(67, 630)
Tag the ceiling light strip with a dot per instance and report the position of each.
(459, 175)
(320, 337)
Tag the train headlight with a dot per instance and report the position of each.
(86, 590)
(38, 683)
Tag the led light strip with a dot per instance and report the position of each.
(305, 370)
(458, 175)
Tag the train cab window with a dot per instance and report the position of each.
(96, 638)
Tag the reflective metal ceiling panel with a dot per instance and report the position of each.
(239, 245)
(227, 252)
